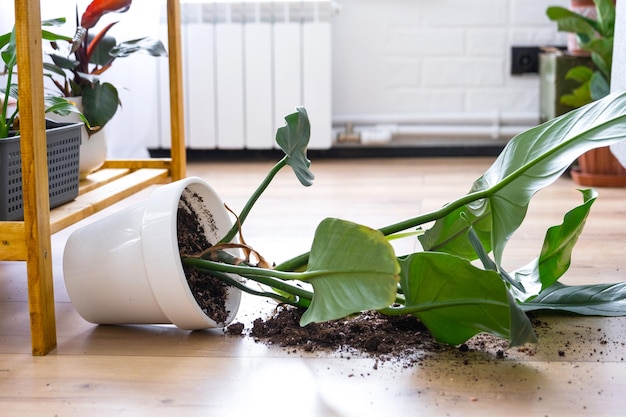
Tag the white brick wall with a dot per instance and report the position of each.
(436, 56)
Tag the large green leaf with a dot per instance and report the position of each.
(100, 102)
(569, 21)
(149, 45)
(456, 300)
(354, 269)
(605, 10)
(293, 139)
(592, 300)
(9, 55)
(101, 54)
(602, 54)
(4, 39)
(556, 253)
(448, 234)
(63, 107)
(530, 161)
(598, 86)
(61, 61)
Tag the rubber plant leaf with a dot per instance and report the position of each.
(100, 48)
(100, 102)
(531, 161)
(293, 139)
(607, 300)
(457, 300)
(60, 61)
(355, 269)
(149, 45)
(556, 253)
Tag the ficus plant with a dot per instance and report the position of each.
(455, 284)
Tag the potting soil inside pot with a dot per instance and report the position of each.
(209, 292)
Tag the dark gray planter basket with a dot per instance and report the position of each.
(63, 144)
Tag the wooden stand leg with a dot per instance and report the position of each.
(177, 114)
(35, 177)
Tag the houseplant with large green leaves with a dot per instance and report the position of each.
(595, 36)
(77, 67)
(78, 63)
(353, 268)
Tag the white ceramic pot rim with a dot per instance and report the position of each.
(161, 253)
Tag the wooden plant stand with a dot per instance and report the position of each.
(29, 240)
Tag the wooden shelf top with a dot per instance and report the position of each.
(100, 190)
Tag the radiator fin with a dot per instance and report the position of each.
(246, 66)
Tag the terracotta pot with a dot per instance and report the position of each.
(599, 168)
(126, 268)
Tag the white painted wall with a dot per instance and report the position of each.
(436, 56)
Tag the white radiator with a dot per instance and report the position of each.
(246, 65)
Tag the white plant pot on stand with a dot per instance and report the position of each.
(93, 149)
(126, 268)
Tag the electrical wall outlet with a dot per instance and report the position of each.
(525, 60)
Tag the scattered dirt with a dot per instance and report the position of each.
(210, 293)
(386, 338)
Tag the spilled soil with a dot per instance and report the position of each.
(385, 338)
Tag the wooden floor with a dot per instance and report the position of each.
(578, 368)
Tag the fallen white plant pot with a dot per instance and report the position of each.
(126, 268)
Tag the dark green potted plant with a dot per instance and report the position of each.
(76, 69)
(595, 36)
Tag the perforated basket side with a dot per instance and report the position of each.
(11, 179)
(63, 151)
(63, 158)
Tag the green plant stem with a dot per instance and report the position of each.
(300, 261)
(252, 200)
(296, 301)
(398, 311)
(4, 123)
(269, 277)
